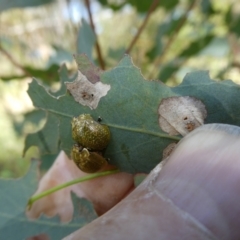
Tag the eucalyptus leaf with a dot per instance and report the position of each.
(61, 55)
(47, 143)
(164, 29)
(64, 77)
(143, 6)
(15, 225)
(130, 109)
(207, 7)
(232, 20)
(113, 5)
(5, 5)
(195, 47)
(48, 75)
(86, 39)
(168, 70)
(33, 118)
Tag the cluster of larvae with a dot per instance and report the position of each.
(91, 139)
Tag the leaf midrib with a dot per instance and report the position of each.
(138, 130)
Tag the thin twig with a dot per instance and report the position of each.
(13, 61)
(171, 39)
(136, 37)
(98, 49)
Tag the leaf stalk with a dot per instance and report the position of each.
(67, 184)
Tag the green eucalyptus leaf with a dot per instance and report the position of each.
(32, 118)
(229, 17)
(195, 47)
(48, 75)
(47, 160)
(218, 47)
(47, 143)
(113, 5)
(207, 7)
(61, 55)
(165, 29)
(35, 116)
(143, 6)
(232, 20)
(5, 5)
(15, 225)
(64, 77)
(168, 70)
(130, 109)
(86, 39)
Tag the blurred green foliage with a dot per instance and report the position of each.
(179, 36)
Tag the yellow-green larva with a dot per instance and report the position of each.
(89, 162)
(89, 133)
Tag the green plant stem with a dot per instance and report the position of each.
(67, 184)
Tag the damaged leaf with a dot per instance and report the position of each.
(86, 93)
(130, 110)
(47, 144)
(87, 68)
(15, 225)
(181, 115)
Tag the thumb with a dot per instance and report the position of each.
(194, 196)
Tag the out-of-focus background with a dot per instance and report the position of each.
(173, 37)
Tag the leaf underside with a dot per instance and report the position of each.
(15, 225)
(130, 109)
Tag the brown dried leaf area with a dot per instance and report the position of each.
(85, 92)
(87, 68)
(104, 192)
(181, 115)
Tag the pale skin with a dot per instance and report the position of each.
(194, 196)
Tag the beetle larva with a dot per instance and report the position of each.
(89, 162)
(89, 133)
